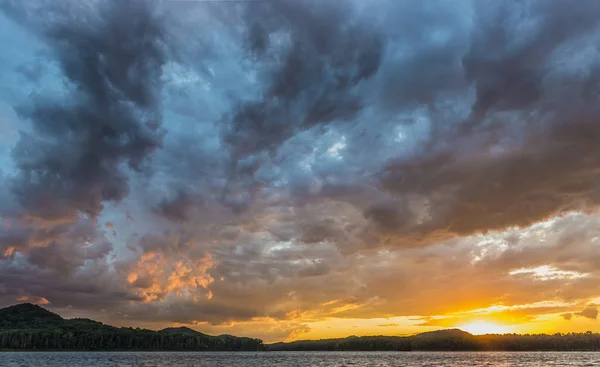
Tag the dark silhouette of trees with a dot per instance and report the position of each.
(450, 340)
(31, 327)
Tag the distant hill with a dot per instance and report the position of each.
(446, 333)
(27, 316)
(181, 330)
(449, 340)
(453, 339)
(31, 327)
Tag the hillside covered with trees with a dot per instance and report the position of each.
(450, 340)
(30, 327)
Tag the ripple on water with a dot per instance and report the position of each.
(297, 359)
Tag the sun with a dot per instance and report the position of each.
(485, 327)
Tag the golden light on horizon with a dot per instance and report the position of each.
(485, 327)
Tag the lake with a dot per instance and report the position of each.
(296, 359)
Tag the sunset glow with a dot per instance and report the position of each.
(484, 327)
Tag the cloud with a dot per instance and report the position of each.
(508, 70)
(34, 300)
(108, 116)
(590, 312)
(79, 145)
(179, 208)
(567, 316)
(322, 59)
(154, 276)
(524, 164)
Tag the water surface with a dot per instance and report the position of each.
(297, 359)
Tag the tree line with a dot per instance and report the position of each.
(30, 327)
(450, 340)
(120, 339)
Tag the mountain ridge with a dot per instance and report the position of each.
(31, 327)
(449, 340)
(182, 330)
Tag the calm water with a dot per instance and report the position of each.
(296, 359)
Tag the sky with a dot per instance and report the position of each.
(303, 169)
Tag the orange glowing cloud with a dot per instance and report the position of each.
(34, 300)
(157, 276)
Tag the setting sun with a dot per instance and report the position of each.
(484, 327)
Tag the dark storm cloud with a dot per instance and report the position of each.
(534, 157)
(316, 55)
(112, 64)
(308, 56)
(72, 160)
(507, 61)
(70, 267)
(386, 214)
(423, 63)
(324, 52)
(180, 207)
(547, 175)
(93, 290)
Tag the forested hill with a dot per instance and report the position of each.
(450, 340)
(30, 327)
